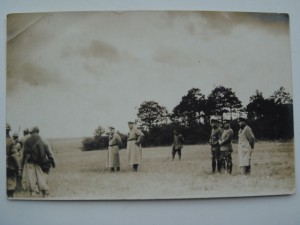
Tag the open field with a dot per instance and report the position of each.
(83, 175)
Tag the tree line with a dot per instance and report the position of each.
(270, 118)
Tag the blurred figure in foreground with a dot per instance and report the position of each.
(13, 164)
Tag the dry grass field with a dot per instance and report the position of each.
(83, 175)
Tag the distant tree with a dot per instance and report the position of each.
(272, 118)
(152, 114)
(281, 97)
(99, 141)
(223, 100)
(99, 131)
(257, 106)
(191, 110)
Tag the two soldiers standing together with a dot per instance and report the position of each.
(221, 147)
(28, 162)
(134, 149)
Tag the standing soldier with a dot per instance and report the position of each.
(134, 149)
(19, 148)
(226, 146)
(113, 150)
(26, 135)
(215, 136)
(245, 146)
(13, 165)
(177, 144)
(35, 153)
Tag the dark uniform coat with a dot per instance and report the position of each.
(13, 164)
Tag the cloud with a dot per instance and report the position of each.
(170, 56)
(33, 76)
(102, 50)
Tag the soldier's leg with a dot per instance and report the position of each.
(118, 168)
(249, 169)
(179, 154)
(112, 169)
(229, 162)
(173, 153)
(219, 161)
(213, 161)
(135, 167)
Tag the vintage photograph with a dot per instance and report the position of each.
(132, 105)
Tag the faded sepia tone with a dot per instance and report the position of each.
(70, 72)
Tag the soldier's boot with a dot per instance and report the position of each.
(248, 170)
(179, 157)
(219, 165)
(229, 167)
(224, 167)
(112, 169)
(10, 193)
(245, 170)
(213, 165)
(118, 168)
(45, 193)
(135, 167)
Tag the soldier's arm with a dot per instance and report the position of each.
(181, 138)
(140, 136)
(210, 140)
(49, 153)
(250, 137)
(227, 139)
(119, 140)
(14, 154)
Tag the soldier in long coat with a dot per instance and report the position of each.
(35, 155)
(215, 136)
(245, 145)
(13, 164)
(134, 149)
(113, 150)
(226, 146)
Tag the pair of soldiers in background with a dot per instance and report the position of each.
(134, 149)
(221, 146)
(28, 162)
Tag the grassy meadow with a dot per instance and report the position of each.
(83, 175)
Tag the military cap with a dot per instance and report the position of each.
(26, 130)
(226, 121)
(34, 129)
(130, 122)
(111, 128)
(8, 126)
(241, 118)
(15, 134)
(214, 121)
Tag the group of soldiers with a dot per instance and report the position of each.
(221, 146)
(28, 162)
(134, 149)
(220, 141)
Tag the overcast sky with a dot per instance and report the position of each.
(70, 72)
